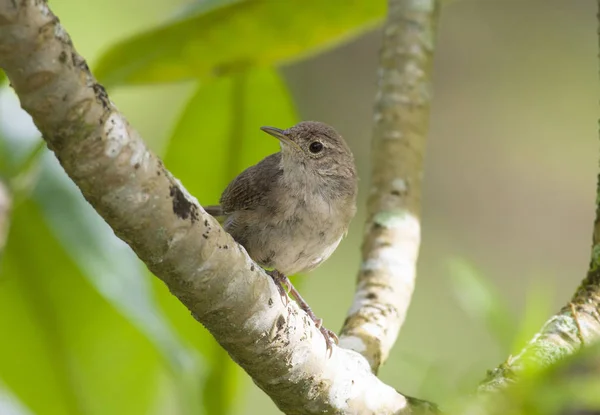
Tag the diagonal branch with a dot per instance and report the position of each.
(575, 326)
(390, 250)
(276, 343)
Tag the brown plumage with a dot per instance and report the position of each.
(291, 210)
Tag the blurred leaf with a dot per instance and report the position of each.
(538, 306)
(568, 387)
(214, 41)
(22, 174)
(216, 138)
(9, 404)
(2, 77)
(114, 270)
(67, 351)
(218, 134)
(4, 158)
(480, 300)
(201, 7)
(107, 262)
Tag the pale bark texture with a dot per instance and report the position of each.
(393, 233)
(276, 343)
(575, 326)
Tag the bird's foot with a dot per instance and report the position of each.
(330, 336)
(283, 285)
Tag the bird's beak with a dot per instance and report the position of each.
(277, 133)
(280, 135)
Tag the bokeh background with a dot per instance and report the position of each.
(509, 191)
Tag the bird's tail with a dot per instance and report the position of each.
(214, 210)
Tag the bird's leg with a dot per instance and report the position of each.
(284, 284)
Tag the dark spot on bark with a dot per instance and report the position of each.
(101, 95)
(160, 167)
(251, 267)
(280, 322)
(270, 302)
(79, 62)
(395, 193)
(225, 247)
(205, 222)
(136, 166)
(182, 207)
(62, 58)
(321, 234)
(371, 296)
(205, 236)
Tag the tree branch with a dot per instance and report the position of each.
(390, 250)
(575, 326)
(276, 343)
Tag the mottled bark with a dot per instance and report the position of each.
(390, 250)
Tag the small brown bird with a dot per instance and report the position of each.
(291, 210)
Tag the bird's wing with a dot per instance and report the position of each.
(249, 189)
(214, 210)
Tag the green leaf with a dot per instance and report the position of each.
(228, 37)
(219, 133)
(481, 301)
(65, 350)
(216, 138)
(2, 77)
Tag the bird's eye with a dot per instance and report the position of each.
(315, 147)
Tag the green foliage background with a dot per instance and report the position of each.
(84, 327)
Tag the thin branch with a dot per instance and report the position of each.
(390, 250)
(277, 344)
(575, 326)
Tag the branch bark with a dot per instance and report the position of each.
(392, 233)
(575, 326)
(276, 343)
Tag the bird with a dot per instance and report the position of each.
(291, 210)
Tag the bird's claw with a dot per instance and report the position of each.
(283, 285)
(330, 338)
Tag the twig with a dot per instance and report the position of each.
(390, 250)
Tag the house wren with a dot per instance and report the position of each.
(291, 210)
